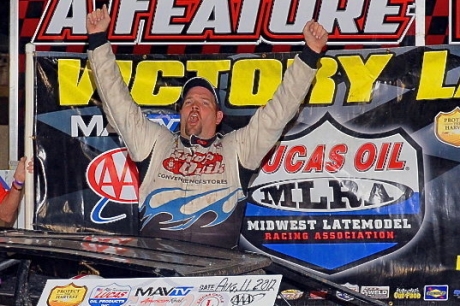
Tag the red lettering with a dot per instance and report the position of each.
(296, 158)
(394, 163)
(336, 158)
(316, 160)
(365, 157)
(382, 156)
(275, 159)
(292, 164)
(385, 158)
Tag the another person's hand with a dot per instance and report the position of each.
(315, 36)
(98, 20)
(20, 173)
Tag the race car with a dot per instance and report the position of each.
(32, 258)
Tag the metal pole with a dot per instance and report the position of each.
(29, 203)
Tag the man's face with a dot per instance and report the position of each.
(199, 115)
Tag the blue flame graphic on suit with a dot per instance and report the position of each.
(174, 206)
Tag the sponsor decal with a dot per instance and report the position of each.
(242, 299)
(229, 22)
(376, 292)
(164, 291)
(292, 294)
(109, 295)
(345, 296)
(114, 177)
(318, 295)
(436, 293)
(350, 193)
(191, 168)
(447, 127)
(212, 299)
(67, 295)
(407, 294)
(190, 164)
(457, 293)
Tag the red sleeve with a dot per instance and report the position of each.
(3, 194)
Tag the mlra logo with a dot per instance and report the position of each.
(360, 195)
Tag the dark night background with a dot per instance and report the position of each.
(4, 47)
(4, 26)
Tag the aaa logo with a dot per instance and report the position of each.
(114, 176)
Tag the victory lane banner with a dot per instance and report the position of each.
(361, 189)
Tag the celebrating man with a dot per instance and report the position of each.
(192, 182)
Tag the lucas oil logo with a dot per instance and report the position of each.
(112, 294)
(353, 194)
